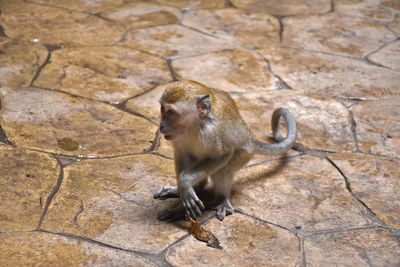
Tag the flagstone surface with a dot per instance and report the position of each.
(81, 155)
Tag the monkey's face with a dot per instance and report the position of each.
(176, 120)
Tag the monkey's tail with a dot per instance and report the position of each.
(284, 143)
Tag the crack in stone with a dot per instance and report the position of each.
(130, 200)
(281, 84)
(199, 31)
(280, 19)
(302, 251)
(155, 143)
(353, 128)
(55, 190)
(81, 209)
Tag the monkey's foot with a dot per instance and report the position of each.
(171, 215)
(224, 209)
(167, 192)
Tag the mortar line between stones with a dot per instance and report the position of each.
(171, 69)
(372, 215)
(302, 251)
(55, 190)
(46, 61)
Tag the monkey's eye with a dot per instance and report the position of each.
(162, 109)
(170, 112)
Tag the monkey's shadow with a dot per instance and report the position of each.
(207, 194)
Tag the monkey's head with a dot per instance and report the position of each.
(183, 105)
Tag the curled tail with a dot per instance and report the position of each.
(283, 143)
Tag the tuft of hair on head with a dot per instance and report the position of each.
(183, 90)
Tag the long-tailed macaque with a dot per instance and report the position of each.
(210, 139)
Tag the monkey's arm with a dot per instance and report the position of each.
(195, 174)
(283, 143)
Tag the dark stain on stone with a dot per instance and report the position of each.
(68, 144)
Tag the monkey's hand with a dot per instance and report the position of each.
(193, 205)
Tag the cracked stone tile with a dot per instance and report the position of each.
(236, 70)
(26, 180)
(245, 241)
(321, 124)
(111, 201)
(385, 11)
(33, 248)
(50, 25)
(41, 119)
(174, 41)
(188, 4)
(329, 76)
(19, 61)
(336, 34)
(366, 247)
(285, 7)
(378, 126)
(375, 181)
(305, 193)
(109, 74)
(388, 56)
(236, 25)
(140, 15)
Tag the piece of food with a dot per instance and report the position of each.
(203, 235)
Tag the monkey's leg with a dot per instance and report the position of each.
(223, 182)
(167, 192)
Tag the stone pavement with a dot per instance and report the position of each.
(80, 155)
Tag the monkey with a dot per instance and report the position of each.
(210, 139)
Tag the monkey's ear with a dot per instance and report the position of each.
(203, 105)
